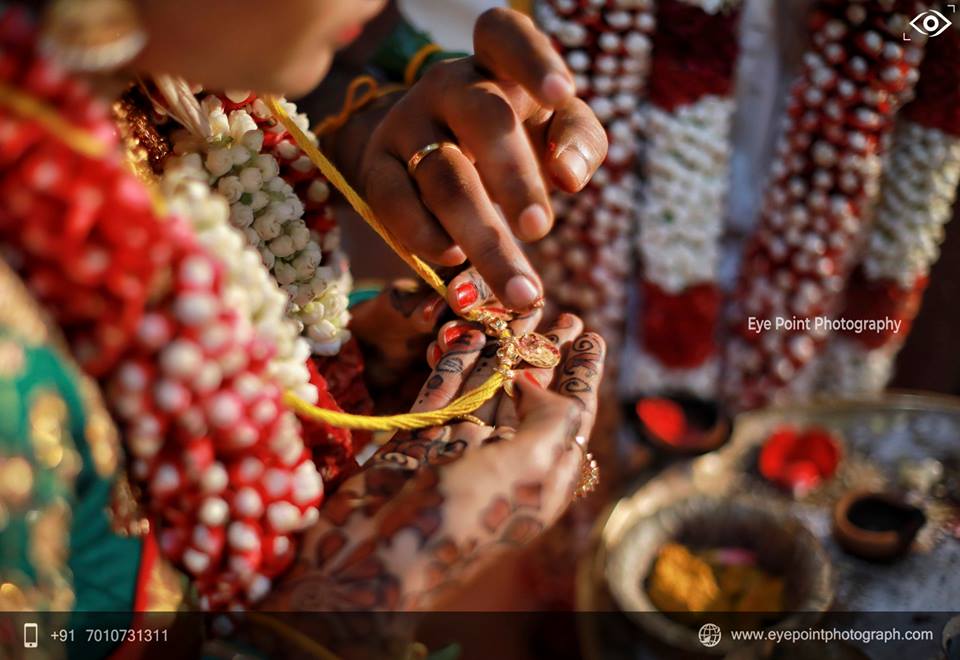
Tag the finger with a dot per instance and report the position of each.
(396, 202)
(486, 125)
(449, 333)
(468, 291)
(451, 188)
(572, 143)
(483, 370)
(447, 379)
(510, 46)
(544, 445)
(562, 332)
(403, 310)
(527, 321)
(580, 376)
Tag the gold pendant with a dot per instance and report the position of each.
(92, 35)
(538, 351)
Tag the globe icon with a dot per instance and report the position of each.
(709, 634)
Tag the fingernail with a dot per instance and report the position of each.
(453, 333)
(557, 87)
(534, 222)
(530, 377)
(466, 295)
(575, 163)
(431, 309)
(436, 353)
(521, 292)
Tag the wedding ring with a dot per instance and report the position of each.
(420, 155)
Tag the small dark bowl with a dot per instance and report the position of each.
(876, 526)
(710, 423)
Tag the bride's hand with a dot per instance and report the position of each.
(395, 327)
(435, 506)
(513, 111)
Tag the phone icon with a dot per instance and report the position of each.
(30, 635)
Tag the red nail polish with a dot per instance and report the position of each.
(466, 294)
(436, 355)
(453, 333)
(529, 376)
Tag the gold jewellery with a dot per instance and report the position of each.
(92, 36)
(589, 470)
(421, 154)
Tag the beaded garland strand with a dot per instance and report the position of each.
(226, 477)
(686, 173)
(585, 262)
(916, 200)
(856, 75)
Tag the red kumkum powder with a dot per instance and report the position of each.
(665, 419)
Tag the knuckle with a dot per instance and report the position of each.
(488, 247)
(491, 107)
(442, 185)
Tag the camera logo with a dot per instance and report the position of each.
(930, 23)
(709, 635)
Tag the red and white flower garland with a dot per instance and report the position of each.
(916, 201)
(685, 187)
(253, 164)
(854, 78)
(145, 307)
(585, 262)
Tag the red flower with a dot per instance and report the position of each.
(878, 299)
(679, 329)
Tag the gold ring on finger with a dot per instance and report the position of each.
(419, 156)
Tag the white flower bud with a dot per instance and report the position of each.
(239, 154)
(253, 140)
(241, 215)
(285, 273)
(318, 192)
(268, 166)
(300, 236)
(282, 246)
(251, 178)
(241, 123)
(231, 188)
(259, 200)
(267, 226)
(219, 162)
(267, 257)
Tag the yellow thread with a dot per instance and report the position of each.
(84, 143)
(76, 138)
(464, 405)
(416, 62)
(459, 408)
(355, 101)
(359, 205)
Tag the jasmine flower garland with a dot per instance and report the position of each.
(249, 288)
(270, 214)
